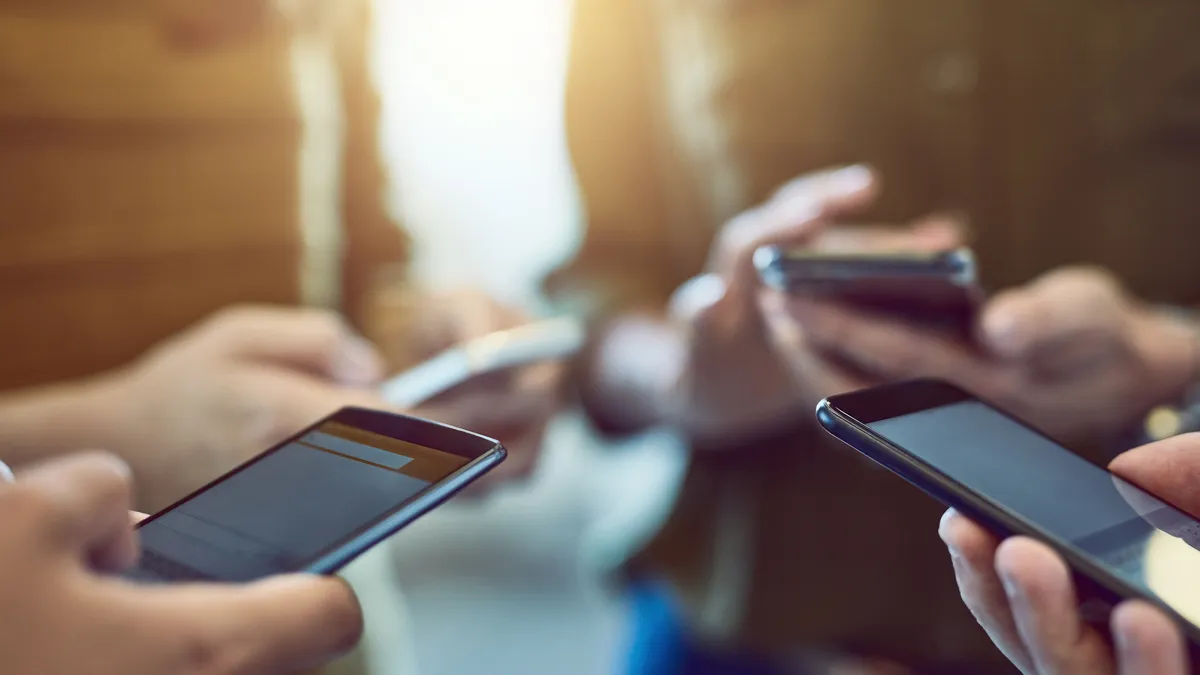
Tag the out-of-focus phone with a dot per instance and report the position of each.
(1121, 541)
(938, 288)
(545, 340)
(314, 502)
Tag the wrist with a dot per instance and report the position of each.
(629, 373)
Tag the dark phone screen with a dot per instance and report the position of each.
(1147, 543)
(281, 512)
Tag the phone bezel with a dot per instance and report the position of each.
(795, 269)
(482, 453)
(839, 415)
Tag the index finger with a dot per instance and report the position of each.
(281, 625)
(793, 216)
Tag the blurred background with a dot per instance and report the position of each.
(161, 159)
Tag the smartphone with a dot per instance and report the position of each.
(315, 501)
(545, 340)
(938, 288)
(1121, 541)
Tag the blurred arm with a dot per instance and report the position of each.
(44, 422)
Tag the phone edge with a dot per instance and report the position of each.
(1097, 579)
(437, 494)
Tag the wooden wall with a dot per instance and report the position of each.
(146, 182)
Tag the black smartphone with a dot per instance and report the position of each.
(1121, 541)
(937, 288)
(315, 501)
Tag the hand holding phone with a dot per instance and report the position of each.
(66, 529)
(937, 288)
(1120, 539)
(315, 501)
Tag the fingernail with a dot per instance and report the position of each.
(850, 180)
(358, 363)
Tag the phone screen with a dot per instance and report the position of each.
(1137, 537)
(284, 510)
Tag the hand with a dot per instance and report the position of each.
(67, 522)
(1021, 592)
(734, 378)
(513, 407)
(1071, 353)
(231, 387)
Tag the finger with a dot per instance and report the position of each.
(1044, 604)
(973, 554)
(136, 517)
(310, 340)
(1059, 308)
(938, 233)
(892, 349)
(1147, 642)
(84, 506)
(1169, 469)
(818, 376)
(792, 217)
(490, 412)
(282, 625)
(290, 401)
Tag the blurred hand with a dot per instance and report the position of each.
(513, 406)
(1022, 594)
(67, 522)
(734, 378)
(231, 387)
(1072, 352)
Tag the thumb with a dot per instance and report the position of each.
(314, 341)
(1060, 307)
(1169, 469)
(86, 499)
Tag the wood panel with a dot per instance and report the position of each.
(142, 186)
(119, 65)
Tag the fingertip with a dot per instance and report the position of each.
(1028, 568)
(357, 362)
(967, 541)
(1138, 618)
(852, 180)
(1146, 640)
(332, 599)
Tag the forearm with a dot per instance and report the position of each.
(45, 422)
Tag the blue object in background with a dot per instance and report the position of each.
(661, 645)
